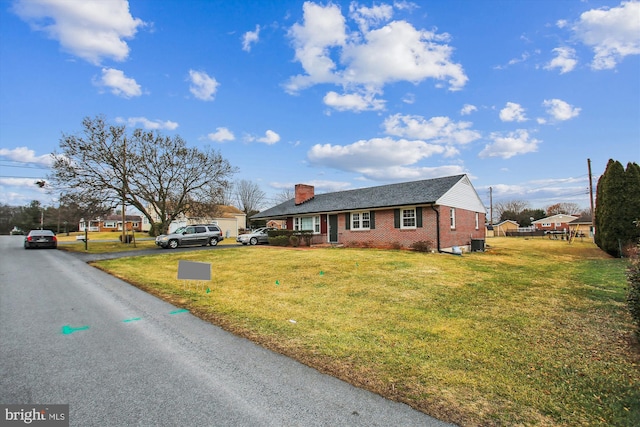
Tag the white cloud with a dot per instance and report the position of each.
(512, 144)
(373, 153)
(612, 33)
(269, 138)
(323, 28)
(202, 85)
(402, 173)
(221, 134)
(369, 58)
(512, 113)
(560, 110)
(561, 23)
(148, 124)
(353, 102)
(367, 16)
(565, 60)
(440, 130)
(249, 38)
(89, 29)
(409, 98)
(118, 83)
(25, 155)
(468, 109)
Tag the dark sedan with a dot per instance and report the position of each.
(41, 239)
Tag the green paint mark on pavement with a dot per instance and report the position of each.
(133, 319)
(181, 310)
(67, 330)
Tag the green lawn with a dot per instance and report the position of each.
(531, 332)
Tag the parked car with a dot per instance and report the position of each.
(259, 235)
(191, 235)
(41, 239)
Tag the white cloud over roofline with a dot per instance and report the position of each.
(440, 130)
(372, 153)
(510, 144)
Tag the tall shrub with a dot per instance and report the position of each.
(617, 207)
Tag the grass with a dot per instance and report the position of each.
(101, 242)
(531, 332)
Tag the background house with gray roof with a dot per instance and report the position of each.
(444, 211)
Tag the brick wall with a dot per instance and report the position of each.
(385, 234)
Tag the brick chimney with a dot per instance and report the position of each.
(304, 193)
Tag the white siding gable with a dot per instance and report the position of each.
(462, 196)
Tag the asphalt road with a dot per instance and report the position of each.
(71, 334)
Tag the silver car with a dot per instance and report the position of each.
(261, 235)
(191, 235)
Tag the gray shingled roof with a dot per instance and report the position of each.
(402, 194)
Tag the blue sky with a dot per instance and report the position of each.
(340, 95)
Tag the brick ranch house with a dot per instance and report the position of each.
(444, 211)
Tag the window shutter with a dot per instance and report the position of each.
(347, 221)
(396, 218)
(372, 220)
(419, 217)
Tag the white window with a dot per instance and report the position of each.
(452, 215)
(360, 221)
(109, 224)
(408, 218)
(307, 223)
(477, 220)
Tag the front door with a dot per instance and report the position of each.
(333, 228)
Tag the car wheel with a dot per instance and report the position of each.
(253, 241)
(213, 241)
(173, 244)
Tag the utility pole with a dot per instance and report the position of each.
(593, 212)
(124, 188)
(491, 205)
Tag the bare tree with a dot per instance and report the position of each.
(249, 196)
(513, 206)
(158, 175)
(563, 208)
(284, 195)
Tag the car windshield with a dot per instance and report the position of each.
(180, 230)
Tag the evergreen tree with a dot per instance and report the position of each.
(632, 203)
(617, 207)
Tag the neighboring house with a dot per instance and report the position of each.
(229, 218)
(111, 223)
(444, 211)
(503, 227)
(557, 223)
(582, 226)
(280, 225)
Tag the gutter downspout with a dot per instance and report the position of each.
(438, 233)
(437, 227)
